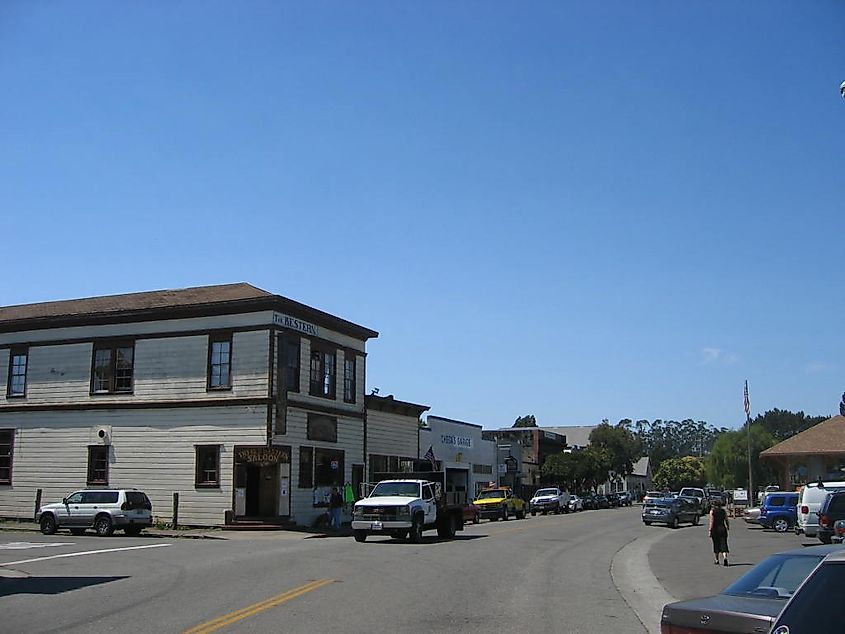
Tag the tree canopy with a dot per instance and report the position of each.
(623, 448)
(727, 464)
(577, 470)
(675, 473)
(525, 421)
(783, 424)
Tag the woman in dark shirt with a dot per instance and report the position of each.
(719, 525)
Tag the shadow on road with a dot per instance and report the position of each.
(50, 585)
(425, 540)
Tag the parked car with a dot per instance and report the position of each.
(695, 502)
(813, 607)
(104, 510)
(613, 500)
(601, 502)
(472, 513)
(651, 496)
(576, 504)
(500, 503)
(549, 500)
(778, 511)
(751, 515)
(810, 502)
(833, 509)
(589, 501)
(671, 512)
(625, 498)
(752, 602)
(695, 492)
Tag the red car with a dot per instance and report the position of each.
(472, 513)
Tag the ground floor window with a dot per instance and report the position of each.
(208, 466)
(328, 467)
(7, 441)
(98, 464)
(306, 467)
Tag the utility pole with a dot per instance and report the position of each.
(747, 404)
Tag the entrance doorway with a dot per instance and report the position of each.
(262, 479)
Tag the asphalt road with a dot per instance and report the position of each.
(554, 573)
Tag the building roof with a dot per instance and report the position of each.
(220, 299)
(576, 435)
(394, 406)
(827, 437)
(641, 467)
(451, 420)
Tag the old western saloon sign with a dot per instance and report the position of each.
(286, 321)
(262, 455)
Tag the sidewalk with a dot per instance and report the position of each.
(191, 532)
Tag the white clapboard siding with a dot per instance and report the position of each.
(151, 449)
(58, 374)
(350, 438)
(143, 328)
(392, 434)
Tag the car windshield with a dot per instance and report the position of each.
(492, 493)
(543, 492)
(692, 493)
(402, 489)
(661, 502)
(775, 578)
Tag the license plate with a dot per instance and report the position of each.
(375, 526)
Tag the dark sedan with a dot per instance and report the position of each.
(601, 502)
(752, 602)
(670, 511)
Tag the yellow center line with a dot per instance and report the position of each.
(255, 608)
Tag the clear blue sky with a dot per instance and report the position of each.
(576, 210)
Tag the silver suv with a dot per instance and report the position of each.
(104, 510)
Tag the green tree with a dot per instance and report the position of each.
(727, 464)
(675, 473)
(577, 470)
(622, 447)
(525, 421)
(783, 424)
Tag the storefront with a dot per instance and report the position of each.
(468, 460)
(262, 482)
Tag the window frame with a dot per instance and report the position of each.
(350, 384)
(213, 338)
(10, 456)
(92, 450)
(17, 351)
(290, 342)
(318, 376)
(336, 480)
(112, 345)
(199, 469)
(312, 429)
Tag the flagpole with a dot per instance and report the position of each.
(747, 403)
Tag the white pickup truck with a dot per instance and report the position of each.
(404, 508)
(550, 500)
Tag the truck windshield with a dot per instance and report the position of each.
(403, 489)
(492, 493)
(545, 492)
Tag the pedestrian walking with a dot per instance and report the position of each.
(719, 526)
(335, 507)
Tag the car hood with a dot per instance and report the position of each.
(724, 613)
(545, 498)
(486, 501)
(386, 500)
(52, 506)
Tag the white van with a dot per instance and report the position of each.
(809, 502)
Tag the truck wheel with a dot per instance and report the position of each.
(781, 525)
(103, 526)
(533, 513)
(674, 523)
(476, 518)
(825, 539)
(520, 515)
(48, 524)
(360, 536)
(695, 520)
(415, 534)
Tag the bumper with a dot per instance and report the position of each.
(488, 513)
(544, 506)
(659, 519)
(380, 527)
(123, 520)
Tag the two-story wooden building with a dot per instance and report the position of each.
(239, 400)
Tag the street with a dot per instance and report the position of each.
(585, 572)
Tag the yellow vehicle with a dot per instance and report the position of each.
(500, 502)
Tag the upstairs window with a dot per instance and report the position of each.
(18, 358)
(113, 367)
(98, 464)
(349, 387)
(289, 363)
(323, 362)
(7, 443)
(220, 362)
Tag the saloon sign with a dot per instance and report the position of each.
(262, 455)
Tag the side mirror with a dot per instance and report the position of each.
(64, 501)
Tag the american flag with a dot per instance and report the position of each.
(746, 402)
(429, 455)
